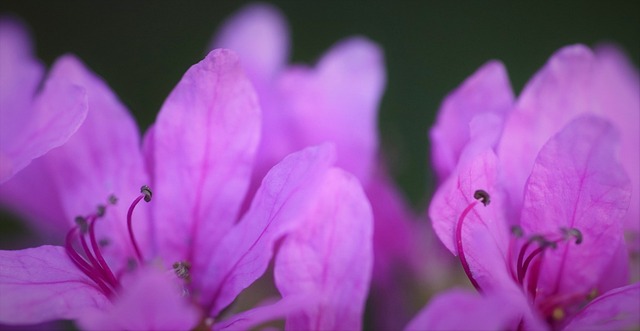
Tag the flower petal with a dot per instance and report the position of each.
(151, 300)
(576, 182)
(42, 284)
(462, 310)
(337, 101)
(484, 230)
(254, 317)
(259, 34)
(32, 124)
(486, 91)
(205, 140)
(330, 257)
(278, 207)
(618, 309)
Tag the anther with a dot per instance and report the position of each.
(82, 224)
(572, 232)
(112, 199)
(182, 269)
(101, 209)
(517, 231)
(147, 193)
(482, 196)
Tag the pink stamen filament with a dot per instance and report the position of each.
(129, 226)
(520, 271)
(96, 249)
(459, 248)
(82, 264)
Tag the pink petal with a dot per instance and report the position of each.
(330, 257)
(205, 140)
(42, 284)
(462, 310)
(618, 87)
(102, 158)
(487, 91)
(576, 182)
(252, 318)
(259, 34)
(618, 309)
(484, 230)
(152, 300)
(337, 101)
(245, 251)
(30, 124)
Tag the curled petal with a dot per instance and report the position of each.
(618, 309)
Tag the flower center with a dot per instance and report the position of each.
(88, 257)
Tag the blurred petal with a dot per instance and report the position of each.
(205, 140)
(338, 102)
(151, 300)
(576, 182)
(484, 231)
(256, 316)
(487, 91)
(618, 309)
(462, 310)
(330, 257)
(259, 34)
(42, 284)
(278, 207)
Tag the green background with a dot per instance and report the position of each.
(142, 50)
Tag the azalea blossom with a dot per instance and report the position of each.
(33, 120)
(186, 254)
(553, 252)
(335, 100)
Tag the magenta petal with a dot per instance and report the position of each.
(462, 310)
(576, 182)
(487, 91)
(484, 230)
(151, 300)
(278, 207)
(254, 317)
(42, 284)
(617, 309)
(259, 34)
(330, 257)
(205, 140)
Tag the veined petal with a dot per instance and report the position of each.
(205, 140)
(577, 183)
(151, 300)
(42, 284)
(483, 230)
(252, 318)
(618, 89)
(462, 310)
(329, 257)
(260, 36)
(618, 309)
(487, 91)
(279, 206)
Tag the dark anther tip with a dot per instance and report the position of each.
(572, 232)
(113, 199)
(517, 231)
(182, 269)
(147, 193)
(82, 223)
(482, 196)
(101, 210)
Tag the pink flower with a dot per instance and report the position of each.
(33, 120)
(336, 100)
(546, 245)
(177, 262)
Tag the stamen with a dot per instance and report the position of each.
(96, 249)
(572, 232)
(517, 231)
(101, 209)
(182, 269)
(483, 197)
(112, 199)
(146, 194)
(82, 264)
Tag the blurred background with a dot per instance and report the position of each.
(142, 50)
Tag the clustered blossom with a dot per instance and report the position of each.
(535, 197)
(189, 252)
(253, 162)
